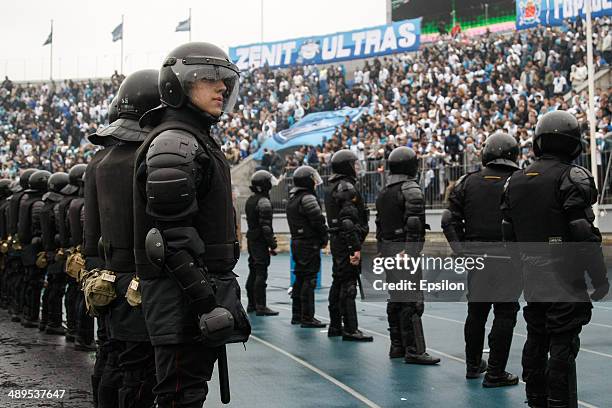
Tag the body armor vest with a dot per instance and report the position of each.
(47, 225)
(299, 226)
(391, 206)
(252, 215)
(115, 206)
(4, 220)
(13, 212)
(214, 221)
(534, 202)
(482, 197)
(332, 207)
(26, 217)
(61, 221)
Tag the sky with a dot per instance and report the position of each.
(82, 41)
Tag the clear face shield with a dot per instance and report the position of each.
(193, 69)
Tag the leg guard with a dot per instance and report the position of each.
(562, 385)
(474, 332)
(393, 317)
(261, 278)
(296, 300)
(335, 315)
(307, 298)
(500, 338)
(137, 363)
(348, 293)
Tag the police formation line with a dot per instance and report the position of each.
(144, 240)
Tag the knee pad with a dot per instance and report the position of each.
(351, 290)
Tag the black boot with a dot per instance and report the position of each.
(312, 323)
(504, 379)
(55, 330)
(334, 331)
(357, 335)
(265, 311)
(250, 308)
(81, 345)
(412, 357)
(474, 371)
(397, 350)
(95, 382)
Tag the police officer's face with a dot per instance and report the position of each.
(208, 96)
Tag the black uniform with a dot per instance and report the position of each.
(56, 276)
(347, 218)
(308, 236)
(197, 219)
(400, 218)
(84, 328)
(30, 232)
(475, 216)
(16, 274)
(4, 248)
(260, 241)
(129, 374)
(65, 244)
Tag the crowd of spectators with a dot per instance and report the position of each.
(442, 101)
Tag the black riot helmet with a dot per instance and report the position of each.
(24, 179)
(39, 180)
(192, 62)
(137, 94)
(343, 162)
(5, 188)
(58, 181)
(113, 112)
(558, 133)
(500, 148)
(306, 177)
(403, 160)
(75, 175)
(262, 181)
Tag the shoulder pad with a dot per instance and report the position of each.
(412, 192)
(172, 148)
(460, 183)
(582, 179)
(264, 203)
(310, 203)
(346, 190)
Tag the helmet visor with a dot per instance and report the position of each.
(317, 179)
(193, 69)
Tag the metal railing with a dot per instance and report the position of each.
(435, 177)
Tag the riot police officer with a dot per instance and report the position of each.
(308, 236)
(30, 236)
(61, 213)
(474, 216)
(560, 220)
(56, 277)
(183, 188)
(5, 192)
(347, 218)
(109, 217)
(15, 265)
(261, 242)
(400, 227)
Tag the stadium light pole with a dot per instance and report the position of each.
(591, 112)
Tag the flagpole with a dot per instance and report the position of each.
(591, 110)
(51, 54)
(189, 24)
(122, 34)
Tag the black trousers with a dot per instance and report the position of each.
(137, 364)
(33, 285)
(307, 259)
(549, 353)
(55, 293)
(70, 301)
(259, 260)
(84, 322)
(183, 371)
(343, 291)
(500, 337)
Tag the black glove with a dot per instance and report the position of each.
(600, 291)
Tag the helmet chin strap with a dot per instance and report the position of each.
(208, 118)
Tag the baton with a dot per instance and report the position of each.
(224, 387)
(360, 287)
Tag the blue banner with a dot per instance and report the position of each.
(400, 36)
(530, 13)
(313, 130)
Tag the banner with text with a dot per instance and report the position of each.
(400, 36)
(530, 13)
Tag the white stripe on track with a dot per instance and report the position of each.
(446, 319)
(320, 372)
(441, 353)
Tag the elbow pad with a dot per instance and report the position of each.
(192, 281)
(450, 231)
(415, 236)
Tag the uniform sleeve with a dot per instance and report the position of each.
(578, 194)
(265, 213)
(176, 169)
(91, 225)
(346, 197)
(312, 211)
(414, 218)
